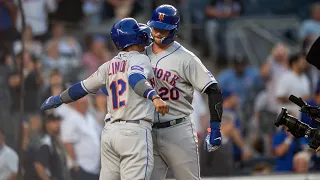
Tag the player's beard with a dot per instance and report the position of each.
(157, 41)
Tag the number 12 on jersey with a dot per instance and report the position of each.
(118, 87)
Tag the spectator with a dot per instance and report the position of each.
(36, 13)
(80, 133)
(99, 108)
(55, 87)
(30, 44)
(68, 46)
(293, 82)
(119, 9)
(315, 101)
(217, 12)
(241, 79)
(311, 28)
(50, 159)
(5, 100)
(220, 163)
(271, 71)
(97, 54)
(8, 13)
(52, 59)
(8, 160)
(284, 146)
(93, 11)
(241, 151)
(33, 134)
(35, 129)
(301, 162)
(33, 81)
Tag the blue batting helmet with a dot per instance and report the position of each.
(128, 31)
(166, 17)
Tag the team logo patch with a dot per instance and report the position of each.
(136, 67)
(161, 17)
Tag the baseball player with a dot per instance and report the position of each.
(177, 73)
(126, 142)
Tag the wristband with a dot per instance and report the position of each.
(151, 93)
(156, 97)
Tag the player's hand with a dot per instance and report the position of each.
(213, 139)
(318, 149)
(51, 102)
(161, 106)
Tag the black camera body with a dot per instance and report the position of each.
(299, 129)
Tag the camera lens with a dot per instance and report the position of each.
(281, 118)
(296, 127)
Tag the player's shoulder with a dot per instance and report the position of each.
(185, 53)
(139, 57)
(104, 66)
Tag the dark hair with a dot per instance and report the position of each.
(49, 118)
(239, 59)
(55, 71)
(295, 58)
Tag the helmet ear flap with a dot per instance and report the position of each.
(171, 37)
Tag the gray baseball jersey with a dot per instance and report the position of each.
(177, 73)
(123, 102)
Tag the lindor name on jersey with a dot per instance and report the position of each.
(117, 66)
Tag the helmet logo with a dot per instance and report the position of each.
(161, 17)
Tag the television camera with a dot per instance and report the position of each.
(299, 129)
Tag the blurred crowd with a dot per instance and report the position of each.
(65, 143)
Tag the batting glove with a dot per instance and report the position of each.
(51, 102)
(213, 139)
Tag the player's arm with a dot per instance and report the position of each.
(78, 90)
(139, 70)
(215, 101)
(206, 83)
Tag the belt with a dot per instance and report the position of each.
(168, 123)
(127, 121)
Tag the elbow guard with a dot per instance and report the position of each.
(215, 102)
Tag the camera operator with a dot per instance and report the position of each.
(293, 82)
(284, 148)
(313, 58)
